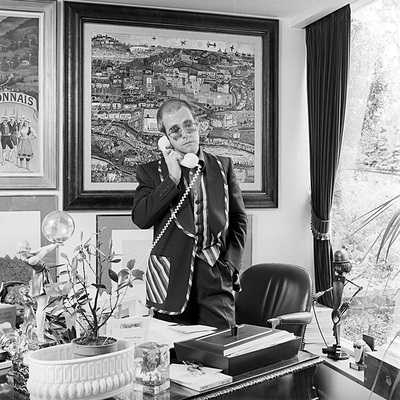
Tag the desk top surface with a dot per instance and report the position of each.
(302, 361)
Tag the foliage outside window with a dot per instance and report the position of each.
(369, 172)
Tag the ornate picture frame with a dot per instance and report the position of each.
(28, 94)
(121, 61)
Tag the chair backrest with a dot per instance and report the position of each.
(273, 289)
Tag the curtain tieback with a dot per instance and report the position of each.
(319, 227)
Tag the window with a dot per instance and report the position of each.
(369, 172)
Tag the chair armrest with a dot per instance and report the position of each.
(302, 318)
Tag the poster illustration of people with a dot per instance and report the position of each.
(21, 150)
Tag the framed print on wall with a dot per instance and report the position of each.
(128, 241)
(28, 94)
(122, 62)
(21, 219)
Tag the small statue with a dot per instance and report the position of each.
(360, 348)
(40, 277)
(29, 311)
(341, 265)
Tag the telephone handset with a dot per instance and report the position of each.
(190, 160)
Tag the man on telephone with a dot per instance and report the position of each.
(194, 264)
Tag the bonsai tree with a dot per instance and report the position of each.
(81, 300)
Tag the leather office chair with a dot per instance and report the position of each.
(275, 295)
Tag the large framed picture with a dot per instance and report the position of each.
(28, 125)
(123, 62)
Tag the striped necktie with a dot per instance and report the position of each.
(207, 247)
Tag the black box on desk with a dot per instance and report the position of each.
(382, 367)
(217, 349)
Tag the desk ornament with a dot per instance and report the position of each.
(360, 348)
(152, 363)
(57, 227)
(341, 265)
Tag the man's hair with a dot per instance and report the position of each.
(169, 107)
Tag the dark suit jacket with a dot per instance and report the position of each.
(153, 201)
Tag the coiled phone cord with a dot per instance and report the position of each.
(172, 216)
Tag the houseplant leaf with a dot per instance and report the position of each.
(113, 275)
(390, 235)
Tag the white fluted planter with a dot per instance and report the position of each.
(56, 373)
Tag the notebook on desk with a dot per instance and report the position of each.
(209, 378)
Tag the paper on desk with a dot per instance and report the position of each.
(169, 333)
(277, 336)
(192, 328)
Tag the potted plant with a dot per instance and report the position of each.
(90, 304)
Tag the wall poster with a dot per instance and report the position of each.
(27, 99)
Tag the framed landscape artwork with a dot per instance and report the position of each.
(28, 125)
(123, 62)
(21, 219)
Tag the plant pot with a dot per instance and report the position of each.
(56, 373)
(94, 347)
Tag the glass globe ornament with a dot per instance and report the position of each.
(58, 226)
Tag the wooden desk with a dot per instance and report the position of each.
(288, 379)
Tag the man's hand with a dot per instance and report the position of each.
(172, 159)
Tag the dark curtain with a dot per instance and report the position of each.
(328, 47)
